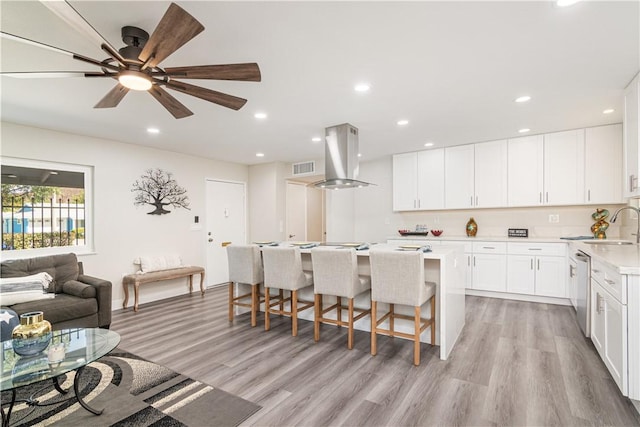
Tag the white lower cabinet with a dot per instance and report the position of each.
(537, 269)
(489, 265)
(609, 333)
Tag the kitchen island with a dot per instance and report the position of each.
(445, 267)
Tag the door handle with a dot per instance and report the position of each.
(292, 235)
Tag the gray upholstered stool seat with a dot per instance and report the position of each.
(245, 267)
(335, 272)
(397, 277)
(283, 270)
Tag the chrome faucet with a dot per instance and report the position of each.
(615, 217)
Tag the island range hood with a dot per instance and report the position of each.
(341, 159)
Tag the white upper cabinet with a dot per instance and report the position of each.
(603, 164)
(630, 137)
(431, 179)
(459, 177)
(564, 168)
(525, 171)
(418, 180)
(490, 168)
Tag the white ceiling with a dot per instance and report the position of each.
(452, 69)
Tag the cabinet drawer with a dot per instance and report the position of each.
(489, 247)
(468, 246)
(610, 280)
(534, 249)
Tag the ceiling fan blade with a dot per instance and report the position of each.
(113, 98)
(71, 16)
(249, 72)
(229, 101)
(175, 29)
(45, 74)
(76, 56)
(175, 107)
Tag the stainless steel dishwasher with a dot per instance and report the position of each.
(583, 274)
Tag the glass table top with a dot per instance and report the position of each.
(68, 350)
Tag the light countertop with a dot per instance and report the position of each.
(624, 258)
(430, 238)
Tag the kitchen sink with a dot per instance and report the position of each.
(608, 242)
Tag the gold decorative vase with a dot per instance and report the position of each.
(600, 226)
(472, 228)
(32, 335)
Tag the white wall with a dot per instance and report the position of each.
(375, 221)
(267, 196)
(122, 230)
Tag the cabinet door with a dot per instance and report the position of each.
(597, 317)
(459, 177)
(490, 167)
(490, 272)
(525, 171)
(603, 164)
(431, 179)
(405, 183)
(564, 168)
(573, 283)
(630, 136)
(615, 340)
(551, 277)
(521, 274)
(469, 281)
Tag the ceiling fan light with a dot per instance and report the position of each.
(134, 80)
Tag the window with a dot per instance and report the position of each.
(46, 207)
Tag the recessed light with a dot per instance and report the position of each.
(260, 115)
(525, 130)
(429, 144)
(316, 139)
(566, 3)
(403, 122)
(362, 87)
(259, 154)
(153, 130)
(608, 111)
(53, 172)
(524, 98)
(359, 154)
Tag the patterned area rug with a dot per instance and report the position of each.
(133, 392)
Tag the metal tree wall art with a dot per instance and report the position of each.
(157, 187)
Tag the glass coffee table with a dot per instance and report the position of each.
(69, 350)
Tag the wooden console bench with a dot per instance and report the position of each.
(156, 276)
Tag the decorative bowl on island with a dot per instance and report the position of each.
(436, 232)
(412, 233)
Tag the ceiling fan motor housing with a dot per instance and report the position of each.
(135, 38)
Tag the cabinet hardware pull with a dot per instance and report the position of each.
(599, 303)
(414, 203)
(471, 200)
(488, 247)
(532, 263)
(540, 197)
(547, 196)
(538, 265)
(609, 281)
(633, 182)
(418, 202)
(474, 261)
(469, 260)
(476, 200)
(572, 270)
(588, 195)
(593, 270)
(535, 249)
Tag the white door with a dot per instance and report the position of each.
(226, 224)
(525, 171)
(296, 218)
(459, 177)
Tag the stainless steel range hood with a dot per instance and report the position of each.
(341, 159)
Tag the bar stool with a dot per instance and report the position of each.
(335, 272)
(397, 277)
(245, 267)
(283, 270)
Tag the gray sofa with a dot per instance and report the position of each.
(81, 301)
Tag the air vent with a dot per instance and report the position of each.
(304, 168)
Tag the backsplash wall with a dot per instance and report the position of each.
(375, 221)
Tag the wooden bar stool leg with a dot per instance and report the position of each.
(267, 321)
(374, 343)
(391, 319)
(433, 320)
(294, 313)
(316, 319)
(254, 304)
(339, 310)
(230, 301)
(281, 295)
(416, 338)
(350, 333)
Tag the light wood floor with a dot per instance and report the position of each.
(516, 364)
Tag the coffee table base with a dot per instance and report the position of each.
(32, 401)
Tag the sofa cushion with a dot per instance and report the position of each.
(62, 268)
(79, 289)
(64, 307)
(14, 290)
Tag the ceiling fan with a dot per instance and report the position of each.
(135, 66)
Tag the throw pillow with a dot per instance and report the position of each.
(8, 320)
(14, 290)
(158, 263)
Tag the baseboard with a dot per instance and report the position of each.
(518, 297)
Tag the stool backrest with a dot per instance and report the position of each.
(397, 277)
(283, 268)
(335, 272)
(245, 264)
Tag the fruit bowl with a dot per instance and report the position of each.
(436, 232)
(412, 233)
